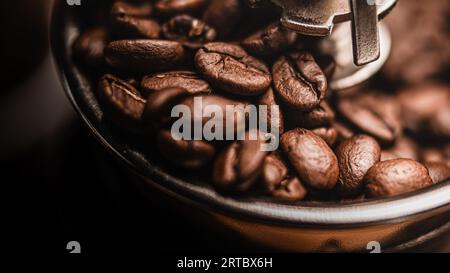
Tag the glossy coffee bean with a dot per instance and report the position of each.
(278, 182)
(143, 56)
(189, 31)
(329, 134)
(90, 45)
(160, 103)
(239, 165)
(190, 154)
(122, 101)
(439, 171)
(367, 121)
(320, 116)
(187, 80)
(271, 40)
(311, 157)
(356, 156)
(394, 177)
(172, 7)
(129, 21)
(230, 68)
(268, 99)
(299, 81)
(224, 15)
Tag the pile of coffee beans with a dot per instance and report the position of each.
(373, 142)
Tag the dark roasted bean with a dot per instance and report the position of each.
(230, 68)
(394, 177)
(129, 21)
(439, 172)
(90, 45)
(270, 40)
(182, 79)
(321, 115)
(144, 55)
(239, 165)
(356, 156)
(299, 81)
(329, 134)
(189, 31)
(190, 154)
(224, 15)
(312, 158)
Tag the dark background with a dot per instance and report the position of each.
(65, 185)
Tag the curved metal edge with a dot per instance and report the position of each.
(377, 211)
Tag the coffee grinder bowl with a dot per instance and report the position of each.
(401, 223)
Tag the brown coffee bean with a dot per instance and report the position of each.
(133, 22)
(356, 156)
(394, 177)
(224, 15)
(268, 99)
(271, 40)
(279, 183)
(312, 158)
(190, 154)
(439, 171)
(160, 103)
(320, 116)
(172, 7)
(329, 134)
(367, 121)
(187, 80)
(144, 55)
(189, 31)
(123, 102)
(90, 45)
(299, 81)
(239, 165)
(387, 155)
(230, 68)
(420, 103)
(239, 115)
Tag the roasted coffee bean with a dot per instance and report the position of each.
(394, 177)
(239, 114)
(329, 134)
(270, 40)
(268, 99)
(367, 121)
(129, 21)
(160, 103)
(321, 115)
(122, 101)
(422, 102)
(312, 158)
(144, 55)
(182, 79)
(299, 81)
(189, 31)
(278, 182)
(230, 68)
(224, 15)
(356, 156)
(388, 155)
(190, 154)
(172, 7)
(90, 45)
(239, 165)
(439, 172)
